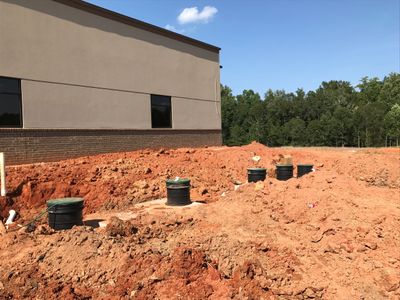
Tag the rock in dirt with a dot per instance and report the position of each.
(44, 229)
(119, 227)
(361, 248)
(286, 160)
(259, 186)
(141, 184)
(371, 245)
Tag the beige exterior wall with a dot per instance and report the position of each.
(81, 70)
(181, 117)
(56, 104)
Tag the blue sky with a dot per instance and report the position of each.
(284, 44)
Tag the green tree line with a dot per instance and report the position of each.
(335, 114)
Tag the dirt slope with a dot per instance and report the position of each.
(332, 234)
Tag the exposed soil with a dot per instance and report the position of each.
(331, 234)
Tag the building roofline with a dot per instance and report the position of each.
(109, 14)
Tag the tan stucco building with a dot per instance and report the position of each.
(77, 79)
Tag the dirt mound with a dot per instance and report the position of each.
(115, 181)
(331, 234)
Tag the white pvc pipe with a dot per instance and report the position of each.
(11, 217)
(2, 175)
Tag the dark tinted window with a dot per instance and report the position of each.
(10, 102)
(161, 111)
(9, 85)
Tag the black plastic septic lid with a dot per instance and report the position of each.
(256, 169)
(284, 165)
(179, 181)
(177, 187)
(64, 201)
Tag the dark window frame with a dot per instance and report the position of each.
(19, 94)
(152, 98)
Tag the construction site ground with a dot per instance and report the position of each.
(331, 234)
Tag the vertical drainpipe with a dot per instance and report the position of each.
(2, 174)
(217, 89)
(218, 104)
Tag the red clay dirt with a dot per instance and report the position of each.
(331, 234)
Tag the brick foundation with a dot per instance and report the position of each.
(23, 146)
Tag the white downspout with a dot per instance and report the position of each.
(2, 175)
(217, 87)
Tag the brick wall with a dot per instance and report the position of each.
(37, 145)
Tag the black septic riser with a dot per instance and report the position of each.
(256, 174)
(303, 169)
(284, 172)
(178, 195)
(65, 213)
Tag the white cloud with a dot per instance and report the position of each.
(193, 15)
(172, 28)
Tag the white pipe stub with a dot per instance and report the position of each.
(2, 175)
(11, 217)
